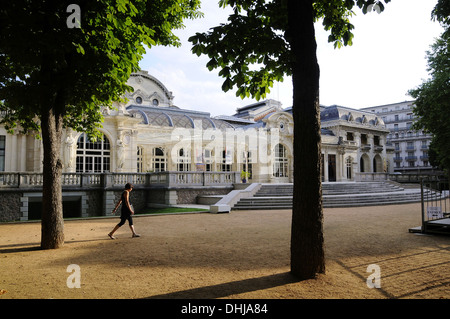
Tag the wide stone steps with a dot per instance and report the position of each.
(338, 195)
(331, 189)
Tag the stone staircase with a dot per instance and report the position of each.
(279, 196)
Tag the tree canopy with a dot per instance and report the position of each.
(253, 50)
(432, 105)
(86, 66)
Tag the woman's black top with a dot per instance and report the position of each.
(125, 210)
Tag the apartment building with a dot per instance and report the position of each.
(410, 146)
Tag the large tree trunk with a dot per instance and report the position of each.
(307, 244)
(52, 230)
(52, 103)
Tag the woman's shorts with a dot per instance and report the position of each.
(125, 218)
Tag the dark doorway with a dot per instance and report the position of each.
(331, 168)
(71, 208)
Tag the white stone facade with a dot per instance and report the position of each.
(354, 145)
(149, 133)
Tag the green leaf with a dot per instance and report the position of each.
(227, 85)
(79, 48)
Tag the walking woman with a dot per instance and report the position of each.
(127, 212)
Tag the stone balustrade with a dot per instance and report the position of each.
(111, 180)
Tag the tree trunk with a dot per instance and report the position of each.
(307, 243)
(52, 228)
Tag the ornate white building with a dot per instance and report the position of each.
(150, 134)
(175, 155)
(354, 145)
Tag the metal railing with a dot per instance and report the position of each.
(435, 205)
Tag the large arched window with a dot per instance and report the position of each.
(93, 156)
(281, 163)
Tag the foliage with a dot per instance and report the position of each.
(432, 105)
(441, 13)
(253, 51)
(42, 59)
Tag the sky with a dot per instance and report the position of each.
(387, 58)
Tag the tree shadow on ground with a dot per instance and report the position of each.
(24, 247)
(231, 288)
(18, 248)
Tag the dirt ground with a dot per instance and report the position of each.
(244, 254)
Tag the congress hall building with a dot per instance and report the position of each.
(180, 153)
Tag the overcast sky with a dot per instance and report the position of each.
(387, 58)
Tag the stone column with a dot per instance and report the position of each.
(13, 157)
(23, 153)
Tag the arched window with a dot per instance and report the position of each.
(158, 160)
(377, 164)
(364, 164)
(93, 156)
(281, 164)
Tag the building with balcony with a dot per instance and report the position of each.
(173, 154)
(410, 146)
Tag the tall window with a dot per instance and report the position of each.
(140, 159)
(364, 139)
(350, 136)
(376, 140)
(281, 164)
(410, 146)
(227, 159)
(158, 160)
(349, 166)
(93, 157)
(183, 161)
(209, 160)
(247, 166)
(2, 152)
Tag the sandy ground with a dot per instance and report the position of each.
(244, 254)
